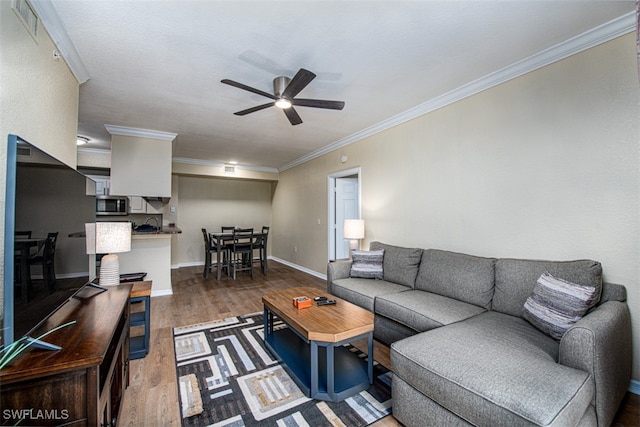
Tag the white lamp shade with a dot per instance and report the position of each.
(354, 229)
(113, 237)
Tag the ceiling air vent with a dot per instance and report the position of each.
(26, 14)
(229, 169)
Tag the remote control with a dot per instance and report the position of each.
(328, 302)
(320, 299)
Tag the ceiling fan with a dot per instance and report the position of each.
(284, 92)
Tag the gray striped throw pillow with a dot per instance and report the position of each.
(556, 304)
(367, 264)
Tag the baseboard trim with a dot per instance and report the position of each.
(190, 264)
(162, 293)
(634, 387)
(299, 267)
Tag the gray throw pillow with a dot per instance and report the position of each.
(367, 264)
(556, 304)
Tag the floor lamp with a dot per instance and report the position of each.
(354, 231)
(112, 238)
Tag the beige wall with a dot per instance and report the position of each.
(212, 203)
(544, 166)
(38, 94)
(38, 99)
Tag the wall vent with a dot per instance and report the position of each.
(24, 151)
(229, 169)
(28, 17)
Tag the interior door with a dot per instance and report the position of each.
(346, 203)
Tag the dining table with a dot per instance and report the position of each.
(220, 239)
(22, 248)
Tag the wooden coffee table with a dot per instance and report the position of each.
(312, 343)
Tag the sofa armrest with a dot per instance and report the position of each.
(338, 269)
(600, 343)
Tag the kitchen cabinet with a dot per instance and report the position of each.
(103, 184)
(139, 205)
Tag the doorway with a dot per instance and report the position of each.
(344, 203)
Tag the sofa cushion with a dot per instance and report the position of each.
(463, 277)
(494, 369)
(422, 310)
(400, 265)
(555, 304)
(362, 292)
(516, 278)
(367, 264)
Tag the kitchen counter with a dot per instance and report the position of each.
(163, 231)
(150, 253)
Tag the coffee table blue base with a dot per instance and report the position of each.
(323, 370)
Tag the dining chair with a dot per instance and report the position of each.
(46, 259)
(227, 243)
(209, 249)
(17, 271)
(260, 244)
(241, 252)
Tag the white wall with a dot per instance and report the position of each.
(544, 166)
(214, 202)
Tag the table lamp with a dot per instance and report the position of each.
(354, 231)
(111, 238)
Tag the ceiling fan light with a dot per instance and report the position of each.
(283, 103)
(81, 140)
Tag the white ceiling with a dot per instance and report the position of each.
(158, 64)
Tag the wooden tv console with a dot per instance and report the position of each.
(83, 384)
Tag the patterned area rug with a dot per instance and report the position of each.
(226, 377)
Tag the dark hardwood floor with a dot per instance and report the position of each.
(152, 396)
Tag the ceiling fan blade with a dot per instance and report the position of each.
(254, 109)
(319, 103)
(292, 115)
(247, 88)
(298, 82)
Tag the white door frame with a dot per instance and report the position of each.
(331, 217)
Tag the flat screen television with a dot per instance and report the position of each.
(43, 195)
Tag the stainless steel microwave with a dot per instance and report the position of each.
(112, 205)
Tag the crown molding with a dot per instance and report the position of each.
(183, 160)
(591, 38)
(140, 133)
(94, 151)
(199, 162)
(51, 21)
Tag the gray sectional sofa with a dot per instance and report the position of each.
(463, 354)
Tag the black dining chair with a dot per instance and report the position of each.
(260, 244)
(209, 250)
(241, 252)
(46, 259)
(228, 245)
(24, 234)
